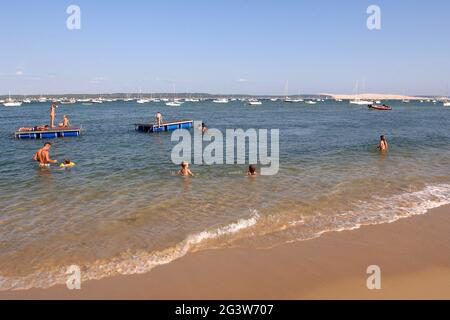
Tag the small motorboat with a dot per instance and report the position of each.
(378, 107)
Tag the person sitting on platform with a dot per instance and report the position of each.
(65, 123)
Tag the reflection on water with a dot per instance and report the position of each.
(123, 208)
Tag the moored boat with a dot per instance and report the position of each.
(378, 107)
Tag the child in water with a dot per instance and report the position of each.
(185, 171)
(251, 170)
(67, 164)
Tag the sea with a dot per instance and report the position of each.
(124, 210)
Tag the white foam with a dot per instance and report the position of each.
(379, 210)
(140, 262)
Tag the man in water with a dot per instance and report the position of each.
(158, 118)
(53, 114)
(383, 146)
(43, 155)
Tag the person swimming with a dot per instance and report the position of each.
(252, 170)
(383, 146)
(67, 164)
(185, 171)
(43, 156)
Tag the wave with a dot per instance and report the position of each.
(139, 262)
(376, 211)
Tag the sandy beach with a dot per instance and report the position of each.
(372, 96)
(412, 254)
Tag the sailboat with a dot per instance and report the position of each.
(11, 103)
(174, 102)
(142, 100)
(357, 99)
(220, 100)
(190, 99)
(254, 102)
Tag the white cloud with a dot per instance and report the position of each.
(19, 72)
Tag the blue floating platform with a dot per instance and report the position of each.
(49, 134)
(165, 126)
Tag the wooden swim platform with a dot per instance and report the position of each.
(49, 133)
(165, 126)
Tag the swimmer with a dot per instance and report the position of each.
(185, 171)
(252, 170)
(67, 164)
(383, 146)
(43, 156)
(204, 128)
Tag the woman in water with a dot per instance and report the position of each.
(383, 146)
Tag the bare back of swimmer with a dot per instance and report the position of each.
(43, 155)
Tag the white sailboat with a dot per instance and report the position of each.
(11, 102)
(221, 100)
(42, 99)
(254, 102)
(175, 102)
(357, 99)
(68, 101)
(311, 102)
(98, 100)
(142, 100)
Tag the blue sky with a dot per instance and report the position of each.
(220, 46)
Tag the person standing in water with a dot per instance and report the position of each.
(185, 171)
(53, 114)
(383, 146)
(252, 171)
(158, 118)
(43, 156)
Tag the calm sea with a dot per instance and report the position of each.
(122, 209)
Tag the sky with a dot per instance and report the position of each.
(225, 46)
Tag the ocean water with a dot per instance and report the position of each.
(122, 209)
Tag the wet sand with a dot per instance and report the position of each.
(413, 254)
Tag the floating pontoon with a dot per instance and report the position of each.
(165, 126)
(49, 134)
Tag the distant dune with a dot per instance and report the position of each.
(373, 96)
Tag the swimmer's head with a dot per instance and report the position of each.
(47, 145)
(252, 169)
(382, 138)
(67, 161)
(185, 164)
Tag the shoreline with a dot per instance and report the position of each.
(412, 254)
